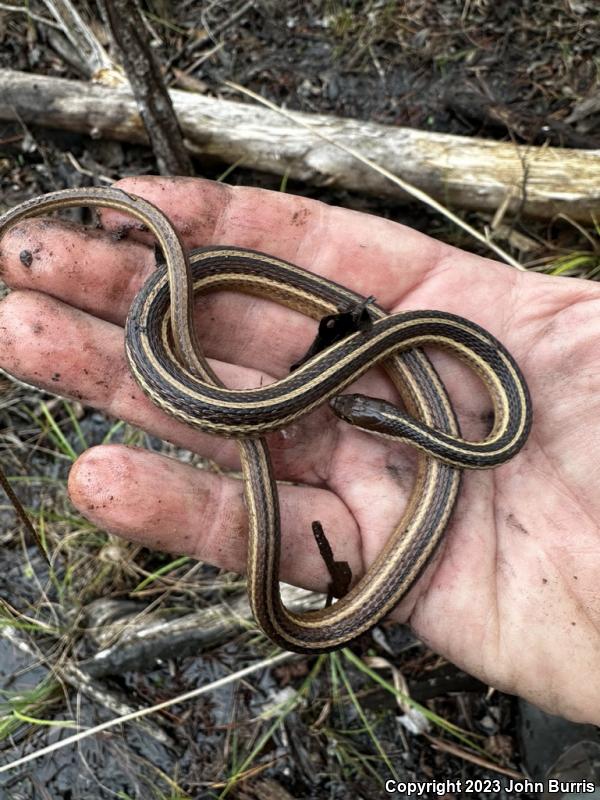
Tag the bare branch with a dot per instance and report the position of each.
(128, 32)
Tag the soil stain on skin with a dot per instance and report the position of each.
(300, 218)
(514, 523)
(26, 258)
(401, 474)
(120, 233)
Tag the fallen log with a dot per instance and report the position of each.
(461, 172)
(137, 644)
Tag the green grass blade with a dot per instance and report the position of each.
(51, 723)
(56, 434)
(435, 719)
(360, 711)
(170, 567)
(75, 423)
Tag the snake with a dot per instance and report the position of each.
(167, 362)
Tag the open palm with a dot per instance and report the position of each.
(513, 597)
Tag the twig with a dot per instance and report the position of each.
(460, 752)
(156, 109)
(143, 712)
(233, 17)
(31, 15)
(81, 37)
(22, 514)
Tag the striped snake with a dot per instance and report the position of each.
(167, 362)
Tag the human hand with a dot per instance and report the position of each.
(512, 597)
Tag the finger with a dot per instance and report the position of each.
(98, 273)
(203, 514)
(69, 352)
